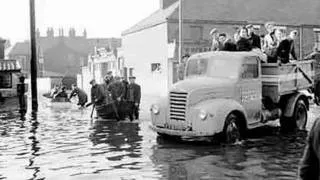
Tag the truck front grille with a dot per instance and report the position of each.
(178, 104)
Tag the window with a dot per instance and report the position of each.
(250, 69)
(6, 80)
(196, 33)
(155, 67)
(317, 38)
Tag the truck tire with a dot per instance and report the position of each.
(298, 120)
(232, 129)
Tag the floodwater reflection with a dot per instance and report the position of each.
(63, 143)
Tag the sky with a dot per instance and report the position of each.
(101, 18)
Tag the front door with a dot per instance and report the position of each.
(251, 89)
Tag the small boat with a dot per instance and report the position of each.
(105, 111)
(58, 102)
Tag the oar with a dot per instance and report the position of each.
(92, 111)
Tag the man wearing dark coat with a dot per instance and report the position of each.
(253, 38)
(97, 94)
(310, 164)
(117, 93)
(82, 96)
(133, 97)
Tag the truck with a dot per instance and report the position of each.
(227, 93)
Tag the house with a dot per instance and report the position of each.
(9, 74)
(99, 63)
(150, 46)
(63, 54)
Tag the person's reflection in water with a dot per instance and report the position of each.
(119, 136)
(34, 145)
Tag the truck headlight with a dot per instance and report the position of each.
(203, 114)
(155, 109)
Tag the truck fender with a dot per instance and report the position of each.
(219, 109)
(291, 101)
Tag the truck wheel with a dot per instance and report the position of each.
(298, 120)
(232, 131)
(300, 115)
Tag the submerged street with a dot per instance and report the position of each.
(63, 143)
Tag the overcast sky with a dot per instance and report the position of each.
(101, 18)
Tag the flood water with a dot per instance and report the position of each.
(63, 143)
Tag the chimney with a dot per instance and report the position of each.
(166, 3)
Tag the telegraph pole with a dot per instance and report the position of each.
(33, 61)
(180, 31)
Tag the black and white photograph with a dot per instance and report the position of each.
(160, 90)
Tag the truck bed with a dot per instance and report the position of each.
(287, 78)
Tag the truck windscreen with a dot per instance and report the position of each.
(220, 68)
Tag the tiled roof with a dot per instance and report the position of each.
(157, 17)
(80, 45)
(9, 65)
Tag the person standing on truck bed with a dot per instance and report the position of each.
(286, 47)
(226, 44)
(244, 44)
(253, 38)
(310, 164)
(270, 43)
(215, 42)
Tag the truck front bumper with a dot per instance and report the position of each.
(178, 132)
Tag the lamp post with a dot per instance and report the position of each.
(180, 32)
(33, 61)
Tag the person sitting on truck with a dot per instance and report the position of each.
(215, 43)
(270, 43)
(253, 38)
(226, 43)
(286, 47)
(243, 44)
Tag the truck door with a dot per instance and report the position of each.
(250, 87)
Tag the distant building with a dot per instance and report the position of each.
(61, 54)
(99, 63)
(150, 46)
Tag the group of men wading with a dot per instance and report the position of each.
(124, 96)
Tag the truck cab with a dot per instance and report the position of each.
(224, 92)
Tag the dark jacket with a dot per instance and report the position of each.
(309, 168)
(244, 45)
(97, 94)
(255, 41)
(134, 93)
(228, 45)
(285, 48)
(117, 90)
(125, 86)
(82, 96)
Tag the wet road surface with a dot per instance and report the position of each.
(63, 143)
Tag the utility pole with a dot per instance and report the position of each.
(180, 31)
(33, 61)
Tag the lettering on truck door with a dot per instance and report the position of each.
(251, 88)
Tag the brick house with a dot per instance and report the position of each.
(60, 54)
(146, 44)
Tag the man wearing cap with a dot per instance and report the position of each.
(253, 38)
(97, 95)
(133, 97)
(215, 42)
